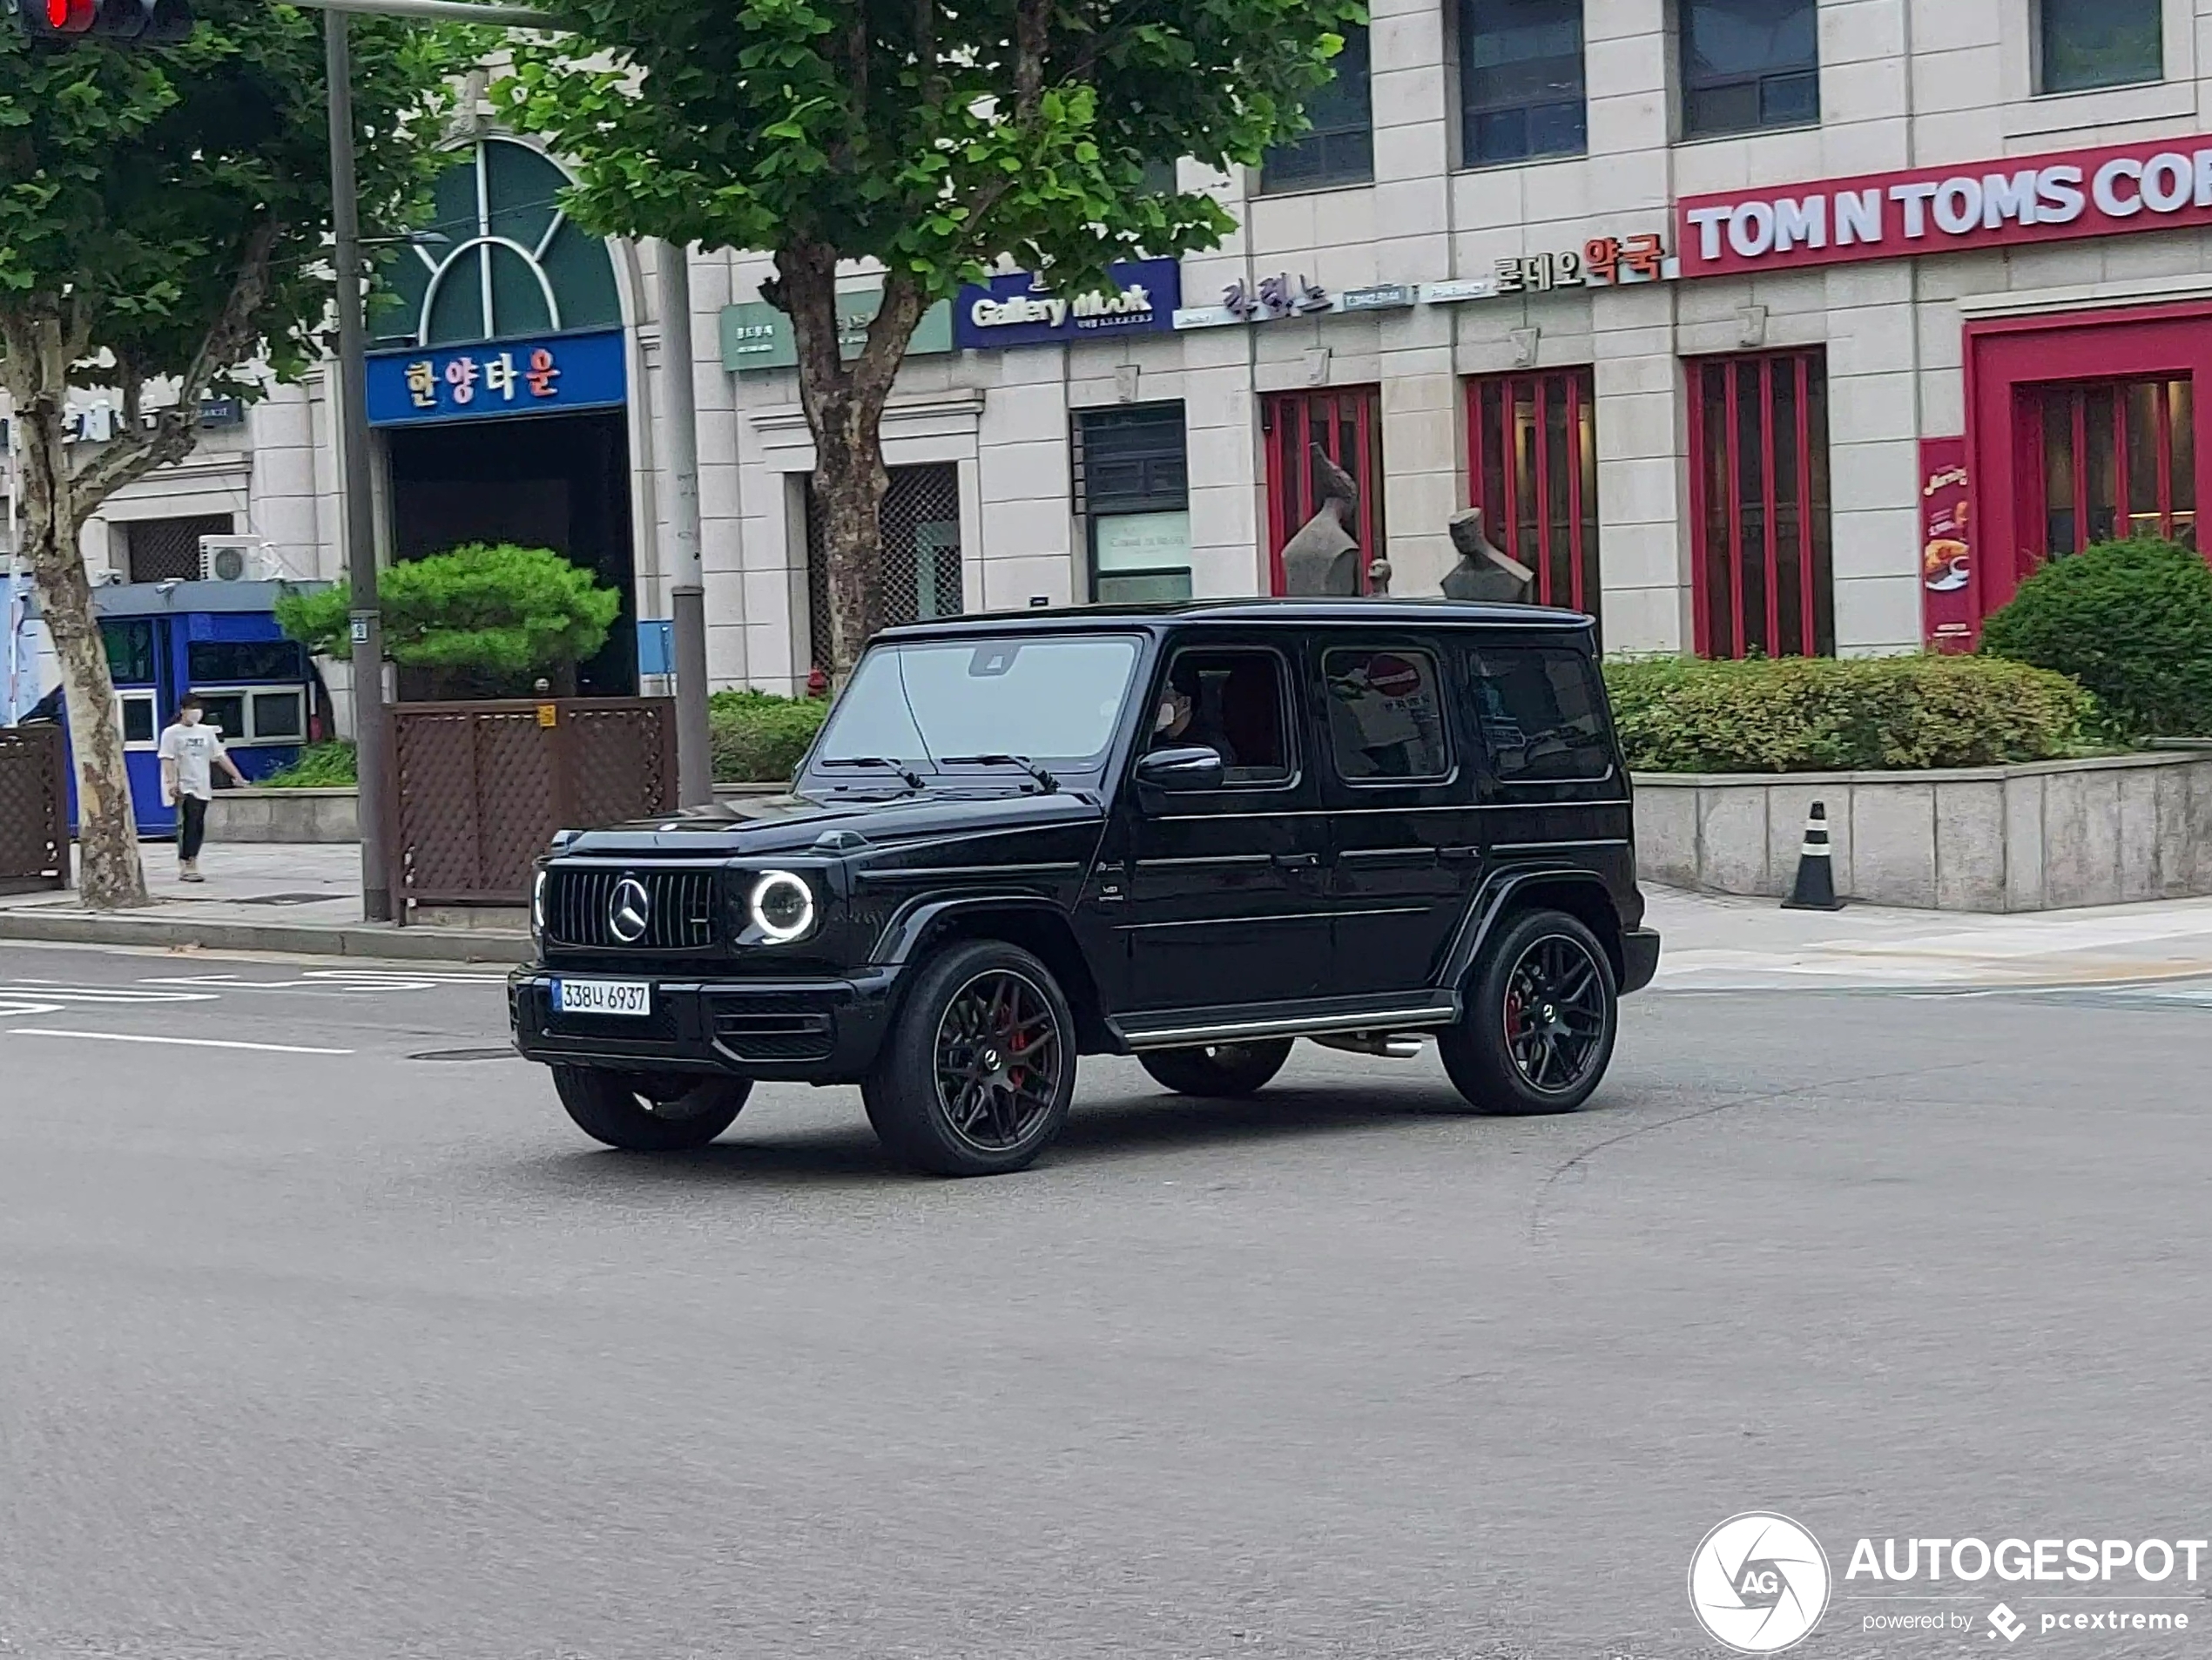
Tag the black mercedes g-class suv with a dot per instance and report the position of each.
(1193, 833)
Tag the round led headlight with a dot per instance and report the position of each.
(537, 902)
(782, 907)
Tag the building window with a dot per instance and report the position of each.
(2119, 459)
(1542, 714)
(2084, 43)
(1386, 719)
(1759, 506)
(1133, 495)
(168, 549)
(1339, 146)
(1520, 80)
(1343, 426)
(919, 523)
(1747, 64)
(1532, 468)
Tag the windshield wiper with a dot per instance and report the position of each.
(1027, 765)
(912, 778)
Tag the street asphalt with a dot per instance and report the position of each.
(348, 1347)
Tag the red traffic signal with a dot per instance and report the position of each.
(149, 23)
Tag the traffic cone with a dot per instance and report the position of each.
(1815, 889)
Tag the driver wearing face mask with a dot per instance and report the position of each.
(1180, 723)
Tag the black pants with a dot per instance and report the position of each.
(191, 827)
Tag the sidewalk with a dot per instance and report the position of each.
(300, 899)
(306, 900)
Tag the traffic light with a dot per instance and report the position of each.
(143, 23)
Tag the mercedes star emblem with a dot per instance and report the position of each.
(630, 912)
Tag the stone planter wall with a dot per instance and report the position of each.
(2032, 838)
(284, 815)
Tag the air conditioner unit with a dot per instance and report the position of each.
(238, 559)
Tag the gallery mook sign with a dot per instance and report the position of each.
(1018, 309)
(2158, 185)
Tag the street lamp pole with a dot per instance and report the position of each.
(371, 731)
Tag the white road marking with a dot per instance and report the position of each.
(186, 1043)
(100, 993)
(13, 1010)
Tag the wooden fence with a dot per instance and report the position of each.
(34, 809)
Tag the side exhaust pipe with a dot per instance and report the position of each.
(1393, 1046)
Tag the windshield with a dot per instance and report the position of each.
(1049, 699)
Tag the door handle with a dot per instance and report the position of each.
(1298, 861)
(1458, 856)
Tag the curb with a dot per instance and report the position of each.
(404, 944)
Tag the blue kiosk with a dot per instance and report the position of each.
(221, 640)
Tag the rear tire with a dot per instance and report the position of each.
(976, 1076)
(1220, 1071)
(649, 1113)
(1542, 1011)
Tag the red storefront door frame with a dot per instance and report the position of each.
(1346, 422)
(2007, 357)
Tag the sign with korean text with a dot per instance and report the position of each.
(553, 374)
(755, 335)
(1017, 309)
(1603, 262)
(2157, 185)
(1948, 587)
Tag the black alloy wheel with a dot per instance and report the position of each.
(977, 1074)
(1541, 1014)
(650, 1112)
(1222, 1071)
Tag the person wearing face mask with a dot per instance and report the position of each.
(190, 755)
(1180, 723)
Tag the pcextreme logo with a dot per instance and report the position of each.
(1758, 1583)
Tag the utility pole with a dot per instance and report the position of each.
(372, 732)
(681, 546)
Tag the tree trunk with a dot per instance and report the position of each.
(844, 404)
(109, 874)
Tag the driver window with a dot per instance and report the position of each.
(1232, 702)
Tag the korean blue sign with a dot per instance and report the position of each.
(508, 377)
(1014, 310)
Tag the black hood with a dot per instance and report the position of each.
(764, 824)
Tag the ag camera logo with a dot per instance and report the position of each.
(1758, 1583)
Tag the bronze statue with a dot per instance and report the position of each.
(1485, 572)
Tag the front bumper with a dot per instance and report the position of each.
(810, 1031)
(1639, 959)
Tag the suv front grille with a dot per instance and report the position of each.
(680, 908)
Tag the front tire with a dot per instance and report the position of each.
(1222, 1071)
(1542, 1011)
(649, 1113)
(977, 1075)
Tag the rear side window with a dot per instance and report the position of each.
(1542, 713)
(1386, 720)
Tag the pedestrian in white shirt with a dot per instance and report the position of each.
(190, 755)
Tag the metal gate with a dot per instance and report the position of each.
(34, 809)
(920, 539)
(1345, 424)
(479, 788)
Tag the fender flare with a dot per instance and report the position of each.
(907, 929)
(1496, 896)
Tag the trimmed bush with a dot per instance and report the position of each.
(759, 737)
(1822, 714)
(2132, 621)
(321, 766)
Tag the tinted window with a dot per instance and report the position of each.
(1521, 79)
(225, 712)
(215, 661)
(137, 720)
(130, 652)
(1232, 702)
(1749, 63)
(1542, 712)
(2101, 43)
(1386, 720)
(278, 714)
(1339, 147)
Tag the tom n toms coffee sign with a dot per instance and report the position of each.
(1020, 309)
(2160, 184)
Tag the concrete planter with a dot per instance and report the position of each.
(2032, 838)
(284, 815)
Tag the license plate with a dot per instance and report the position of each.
(633, 997)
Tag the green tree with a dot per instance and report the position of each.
(935, 140)
(481, 613)
(2130, 620)
(162, 215)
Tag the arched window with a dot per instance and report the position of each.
(498, 260)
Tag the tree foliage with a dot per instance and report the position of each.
(163, 219)
(2130, 620)
(932, 140)
(497, 610)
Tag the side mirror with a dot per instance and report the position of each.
(1193, 767)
